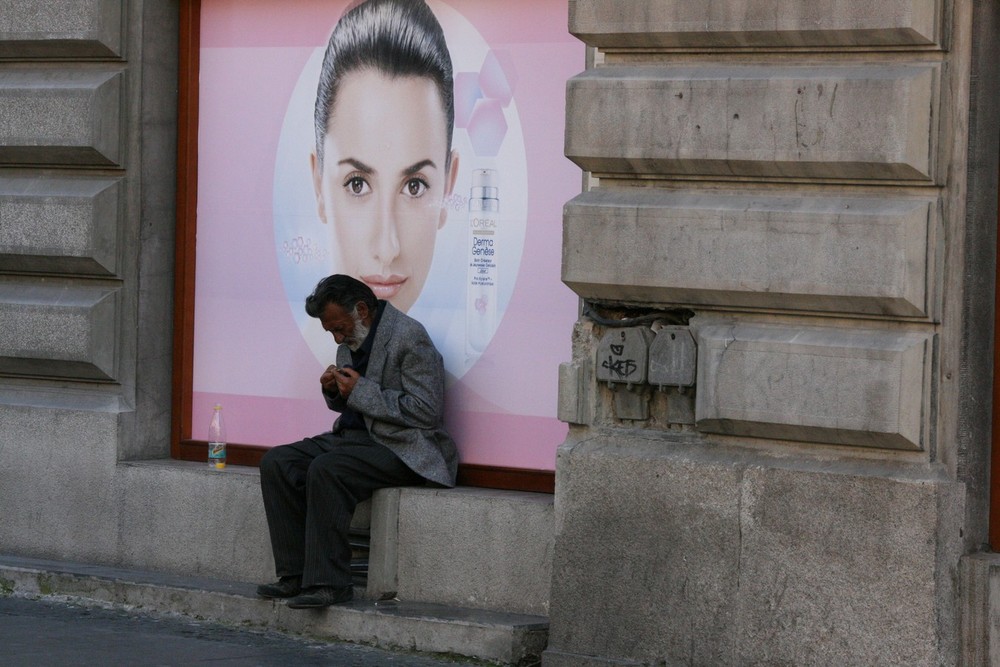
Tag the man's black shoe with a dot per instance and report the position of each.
(286, 587)
(321, 596)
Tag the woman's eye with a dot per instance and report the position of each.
(415, 187)
(356, 185)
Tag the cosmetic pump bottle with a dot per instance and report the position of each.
(481, 300)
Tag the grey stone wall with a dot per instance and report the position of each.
(88, 96)
(790, 183)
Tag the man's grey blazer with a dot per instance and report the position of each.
(401, 397)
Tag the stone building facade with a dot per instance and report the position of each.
(781, 389)
(807, 190)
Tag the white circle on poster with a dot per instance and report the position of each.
(305, 247)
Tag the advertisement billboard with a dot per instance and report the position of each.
(453, 215)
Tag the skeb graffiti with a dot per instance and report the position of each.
(623, 368)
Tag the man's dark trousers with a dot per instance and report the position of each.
(310, 490)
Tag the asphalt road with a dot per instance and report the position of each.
(52, 632)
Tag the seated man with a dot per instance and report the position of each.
(388, 385)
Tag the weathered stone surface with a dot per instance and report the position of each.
(854, 255)
(980, 586)
(59, 225)
(77, 29)
(60, 116)
(181, 517)
(859, 123)
(673, 552)
(645, 562)
(830, 575)
(58, 329)
(479, 548)
(750, 23)
(572, 406)
(45, 452)
(837, 386)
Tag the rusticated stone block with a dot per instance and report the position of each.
(842, 566)
(754, 23)
(825, 385)
(78, 29)
(645, 566)
(60, 117)
(843, 122)
(58, 329)
(59, 225)
(854, 255)
(674, 551)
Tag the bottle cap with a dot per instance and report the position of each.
(484, 184)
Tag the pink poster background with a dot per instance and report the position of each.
(254, 353)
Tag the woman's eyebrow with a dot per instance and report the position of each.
(417, 166)
(357, 165)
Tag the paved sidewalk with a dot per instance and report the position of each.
(56, 632)
(408, 632)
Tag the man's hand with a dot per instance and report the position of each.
(328, 380)
(343, 379)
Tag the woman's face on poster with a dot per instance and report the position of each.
(383, 181)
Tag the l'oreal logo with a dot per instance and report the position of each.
(483, 223)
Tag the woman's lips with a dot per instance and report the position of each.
(385, 287)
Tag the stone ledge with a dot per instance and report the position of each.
(467, 546)
(508, 639)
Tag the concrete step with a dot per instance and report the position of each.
(501, 638)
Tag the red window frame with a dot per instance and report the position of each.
(182, 446)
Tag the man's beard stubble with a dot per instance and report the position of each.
(359, 334)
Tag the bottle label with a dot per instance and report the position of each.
(217, 454)
(481, 291)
